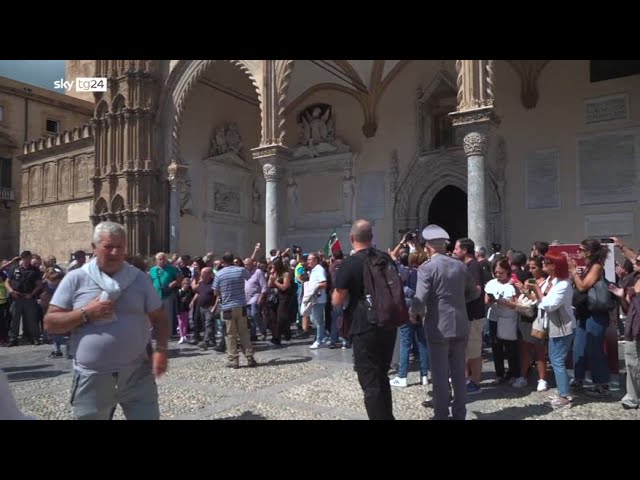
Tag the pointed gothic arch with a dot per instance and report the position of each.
(182, 79)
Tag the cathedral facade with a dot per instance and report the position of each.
(195, 156)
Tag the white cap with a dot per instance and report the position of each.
(434, 232)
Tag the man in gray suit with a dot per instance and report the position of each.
(444, 288)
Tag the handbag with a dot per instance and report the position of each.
(526, 308)
(599, 298)
(540, 328)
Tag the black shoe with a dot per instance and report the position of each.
(629, 407)
(220, 349)
(12, 343)
(254, 338)
(55, 354)
(203, 345)
(251, 362)
(233, 364)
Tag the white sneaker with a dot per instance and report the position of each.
(520, 382)
(542, 386)
(314, 345)
(398, 382)
(425, 380)
(183, 340)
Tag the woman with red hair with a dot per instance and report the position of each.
(557, 310)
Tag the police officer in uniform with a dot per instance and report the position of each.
(24, 285)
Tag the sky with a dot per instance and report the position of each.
(41, 73)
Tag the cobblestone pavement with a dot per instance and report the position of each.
(291, 382)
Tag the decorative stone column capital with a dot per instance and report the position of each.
(273, 172)
(176, 173)
(274, 159)
(476, 143)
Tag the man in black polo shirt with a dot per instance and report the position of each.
(23, 283)
(372, 345)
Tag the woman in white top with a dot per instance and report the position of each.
(500, 296)
(556, 307)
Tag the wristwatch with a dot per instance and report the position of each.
(85, 315)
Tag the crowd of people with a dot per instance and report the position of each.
(530, 310)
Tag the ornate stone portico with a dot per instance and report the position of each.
(202, 155)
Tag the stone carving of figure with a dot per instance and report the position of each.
(293, 201)
(348, 194)
(317, 133)
(218, 142)
(317, 127)
(255, 213)
(234, 141)
(186, 205)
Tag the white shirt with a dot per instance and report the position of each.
(559, 309)
(318, 275)
(500, 290)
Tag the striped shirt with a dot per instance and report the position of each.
(230, 282)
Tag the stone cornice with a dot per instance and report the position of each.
(67, 103)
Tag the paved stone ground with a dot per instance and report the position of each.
(291, 382)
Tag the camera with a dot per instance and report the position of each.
(295, 249)
(496, 247)
(410, 235)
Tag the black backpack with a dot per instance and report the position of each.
(384, 294)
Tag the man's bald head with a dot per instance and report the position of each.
(362, 232)
(206, 274)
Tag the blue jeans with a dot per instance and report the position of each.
(255, 313)
(335, 315)
(558, 349)
(588, 349)
(58, 341)
(409, 333)
(317, 317)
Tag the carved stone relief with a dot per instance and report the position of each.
(317, 133)
(25, 187)
(65, 179)
(226, 138)
(36, 185)
(82, 175)
(226, 199)
(50, 181)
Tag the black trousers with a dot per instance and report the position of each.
(501, 349)
(372, 352)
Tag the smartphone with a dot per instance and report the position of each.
(606, 240)
(514, 278)
(491, 296)
(531, 280)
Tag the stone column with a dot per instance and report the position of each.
(475, 117)
(273, 159)
(475, 148)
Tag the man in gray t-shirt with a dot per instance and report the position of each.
(108, 306)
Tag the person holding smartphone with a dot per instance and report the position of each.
(500, 296)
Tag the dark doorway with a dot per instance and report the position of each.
(449, 210)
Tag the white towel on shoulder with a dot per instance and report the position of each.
(111, 288)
